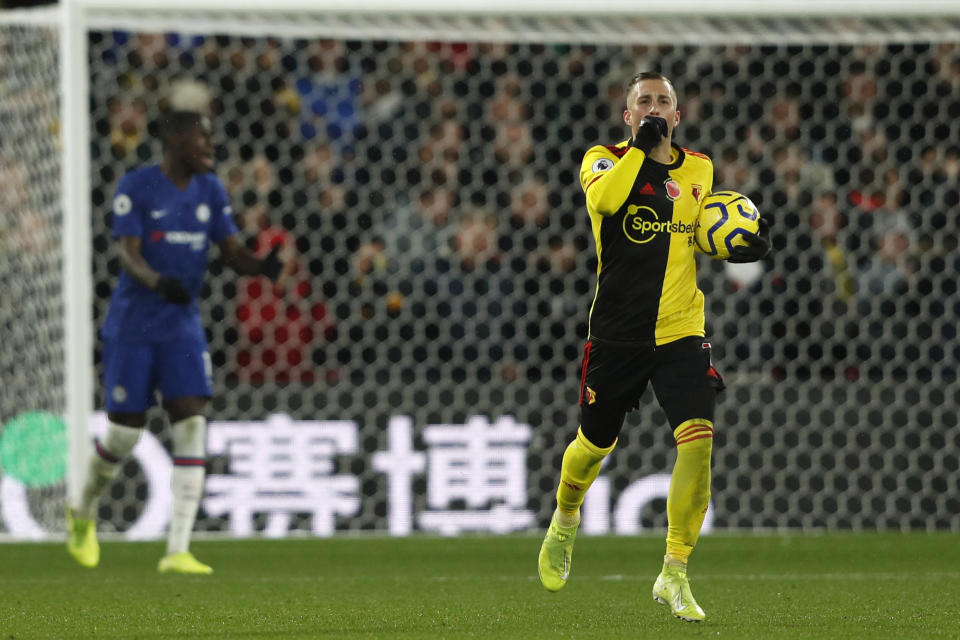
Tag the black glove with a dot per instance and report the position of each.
(271, 265)
(651, 131)
(171, 290)
(758, 247)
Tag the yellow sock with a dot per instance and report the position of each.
(689, 492)
(581, 464)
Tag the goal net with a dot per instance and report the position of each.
(32, 399)
(421, 372)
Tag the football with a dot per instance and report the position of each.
(725, 216)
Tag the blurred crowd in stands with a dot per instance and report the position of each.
(430, 194)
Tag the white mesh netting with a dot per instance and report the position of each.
(31, 319)
(446, 267)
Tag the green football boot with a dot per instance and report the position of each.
(673, 589)
(556, 555)
(82, 540)
(183, 562)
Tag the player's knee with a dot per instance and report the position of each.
(594, 437)
(183, 408)
(138, 420)
(600, 425)
(592, 447)
(118, 442)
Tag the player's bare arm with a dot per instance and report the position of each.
(132, 261)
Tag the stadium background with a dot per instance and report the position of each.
(446, 266)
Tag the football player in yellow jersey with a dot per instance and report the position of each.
(646, 327)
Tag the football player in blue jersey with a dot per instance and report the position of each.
(165, 217)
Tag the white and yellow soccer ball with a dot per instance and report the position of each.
(724, 218)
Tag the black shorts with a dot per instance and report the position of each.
(615, 375)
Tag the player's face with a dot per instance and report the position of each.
(196, 147)
(652, 97)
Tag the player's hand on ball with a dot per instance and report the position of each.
(171, 290)
(758, 246)
(651, 131)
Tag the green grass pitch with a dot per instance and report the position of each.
(798, 586)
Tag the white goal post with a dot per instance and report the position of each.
(684, 22)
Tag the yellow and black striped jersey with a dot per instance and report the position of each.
(642, 213)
